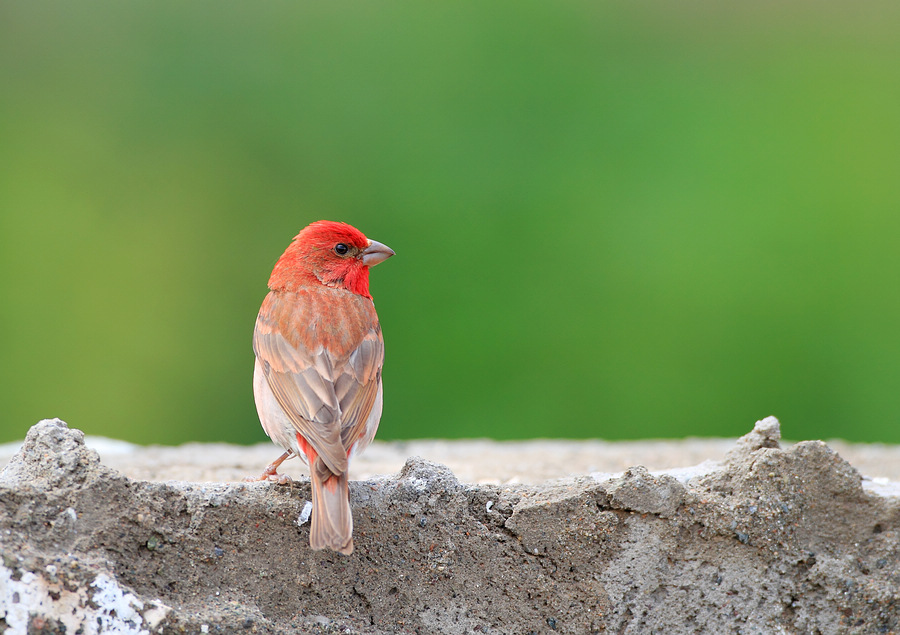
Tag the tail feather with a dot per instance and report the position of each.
(332, 522)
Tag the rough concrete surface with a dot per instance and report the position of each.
(767, 539)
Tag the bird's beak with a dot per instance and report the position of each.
(375, 253)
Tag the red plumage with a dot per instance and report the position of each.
(319, 353)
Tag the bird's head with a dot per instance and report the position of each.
(329, 253)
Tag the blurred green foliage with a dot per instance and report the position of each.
(620, 220)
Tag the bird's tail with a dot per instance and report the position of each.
(332, 522)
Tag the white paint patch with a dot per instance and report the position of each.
(156, 614)
(118, 611)
(418, 484)
(31, 595)
(104, 607)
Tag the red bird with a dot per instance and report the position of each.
(319, 353)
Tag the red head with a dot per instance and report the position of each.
(329, 253)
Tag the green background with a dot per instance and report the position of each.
(619, 220)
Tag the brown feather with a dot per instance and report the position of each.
(325, 377)
(332, 520)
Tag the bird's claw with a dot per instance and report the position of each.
(271, 477)
(271, 472)
(282, 479)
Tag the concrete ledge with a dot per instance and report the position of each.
(770, 539)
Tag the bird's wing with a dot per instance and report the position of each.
(358, 384)
(321, 353)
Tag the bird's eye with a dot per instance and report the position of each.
(341, 249)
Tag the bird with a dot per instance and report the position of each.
(317, 376)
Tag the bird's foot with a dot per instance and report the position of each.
(282, 479)
(271, 472)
